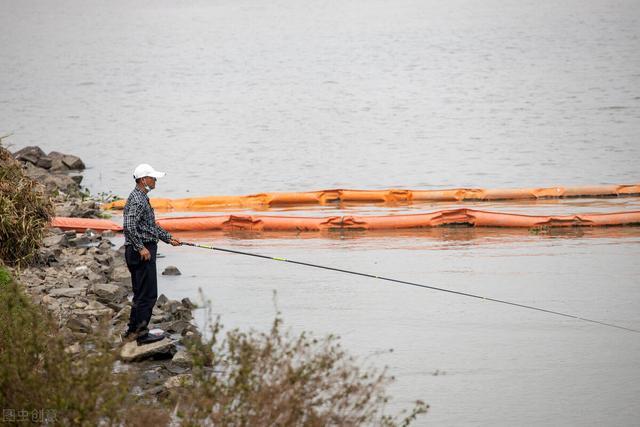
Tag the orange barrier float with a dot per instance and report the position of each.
(393, 196)
(82, 224)
(455, 217)
(444, 218)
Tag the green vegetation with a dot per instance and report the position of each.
(275, 378)
(37, 374)
(25, 211)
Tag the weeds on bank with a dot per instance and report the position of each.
(275, 378)
(37, 374)
(25, 212)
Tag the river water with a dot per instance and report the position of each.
(237, 97)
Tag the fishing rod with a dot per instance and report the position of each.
(419, 285)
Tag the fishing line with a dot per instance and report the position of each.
(419, 285)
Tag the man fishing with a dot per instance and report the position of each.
(141, 244)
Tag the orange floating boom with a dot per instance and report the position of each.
(82, 224)
(454, 217)
(392, 196)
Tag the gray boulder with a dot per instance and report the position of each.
(66, 292)
(29, 154)
(73, 162)
(44, 162)
(51, 181)
(174, 327)
(109, 292)
(56, 162)
(162, 300)
(121, 275)
(98, 310)
(132, 352)
(94, 277)
(171, 270)
(61, 182)
(122, 314)
(55, 240)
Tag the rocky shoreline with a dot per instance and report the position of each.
(83, 282)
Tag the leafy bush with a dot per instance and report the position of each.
(25, 212)
(275, 378)
(37, 374)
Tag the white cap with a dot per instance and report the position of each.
(146, 170)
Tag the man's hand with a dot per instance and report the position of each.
(145, 254)
(175, 242)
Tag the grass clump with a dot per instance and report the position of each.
(25, 212)
(37, 375)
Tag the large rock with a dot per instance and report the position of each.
(162, 300)
(57, 164)
(171, 270)
(175, 327)
(94, 278)
(55, 240)
(66, 292)
(109, 292)
(132, 352)
(60, 182)
(49, 256)
(29, 154)
(122, 315)
(160, 316)
(35, 172)
(78, 284)
(52, 181)
(44, 162)
(73, 162)
(121, 275)
(98, 310)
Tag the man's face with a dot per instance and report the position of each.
(150, 181)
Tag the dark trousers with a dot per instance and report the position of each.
(145, 286)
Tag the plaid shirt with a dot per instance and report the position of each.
(140, 222)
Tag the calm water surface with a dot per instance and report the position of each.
(237, 97)
(234, 97)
